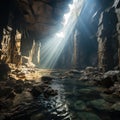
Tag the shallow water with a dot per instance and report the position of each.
(78, 100)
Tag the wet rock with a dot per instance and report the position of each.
(112, 73)
(79, 105)
(36, 91)
(2, 117)
(11, 95)
(116, 88)
(109, 78)
(90, 69)
(116, 106)
(50, 92)
(100, 104)
(38, 116)
(88, 94)
(5, 104)
(108, 91)
(88, 116)
(110, 98)
(4, 70)
(5, 91)
(107, 82)
(46, 79)
(21, 75)
(75, 72)
(24, 97)
(18, 88)
(19, 82)
(16, 71)
(11, 82)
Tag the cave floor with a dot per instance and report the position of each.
(42, 94)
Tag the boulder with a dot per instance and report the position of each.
(100, 104)
(36, 91)
(88, 116)
(4, 70)
(38, 116)
(79, 105)
(46, 79)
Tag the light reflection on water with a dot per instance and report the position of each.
(73, 102)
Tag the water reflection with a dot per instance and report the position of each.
(78, 100)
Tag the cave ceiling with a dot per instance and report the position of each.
(41, 17)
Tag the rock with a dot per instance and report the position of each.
(5, 91)
(6, 104)
(11, 83)
(116, 88)
(38, 116)
(88, 94)
(2, 117)
(19, 82)
(110, 98)
(4, 70)
(116, 106)
(100, 104)
(109, 78)
(36, 91)
(79, 105)
(18, 88)
(50, 92)
(88, 116)
(46, 79)
(24, 97)
(90, 69)
(107, 82)
(21, 75)
(11, 95)
(112, 73)
(75, 72)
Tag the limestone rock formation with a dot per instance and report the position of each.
(108, 36)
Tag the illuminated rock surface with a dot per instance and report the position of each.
(58, 95)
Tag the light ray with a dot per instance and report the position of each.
(53, 48)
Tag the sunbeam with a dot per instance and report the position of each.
(53, 48)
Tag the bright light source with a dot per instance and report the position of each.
(71, 17)
(54, 47)
(71, 6)
(66, 17)
(60, 35)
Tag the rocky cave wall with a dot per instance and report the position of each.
(108, 36)
(98, 35)
(34, 19)
(94, 41)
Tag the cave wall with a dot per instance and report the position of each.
(94, 41)
(98, 35)
(108, 37)
(34, 19)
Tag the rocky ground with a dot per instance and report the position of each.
(21, 87)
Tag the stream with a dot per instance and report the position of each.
(76, 100)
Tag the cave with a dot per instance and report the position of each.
(60, 60)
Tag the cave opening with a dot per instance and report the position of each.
(55, 49)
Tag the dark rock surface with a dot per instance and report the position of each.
(86, 98)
